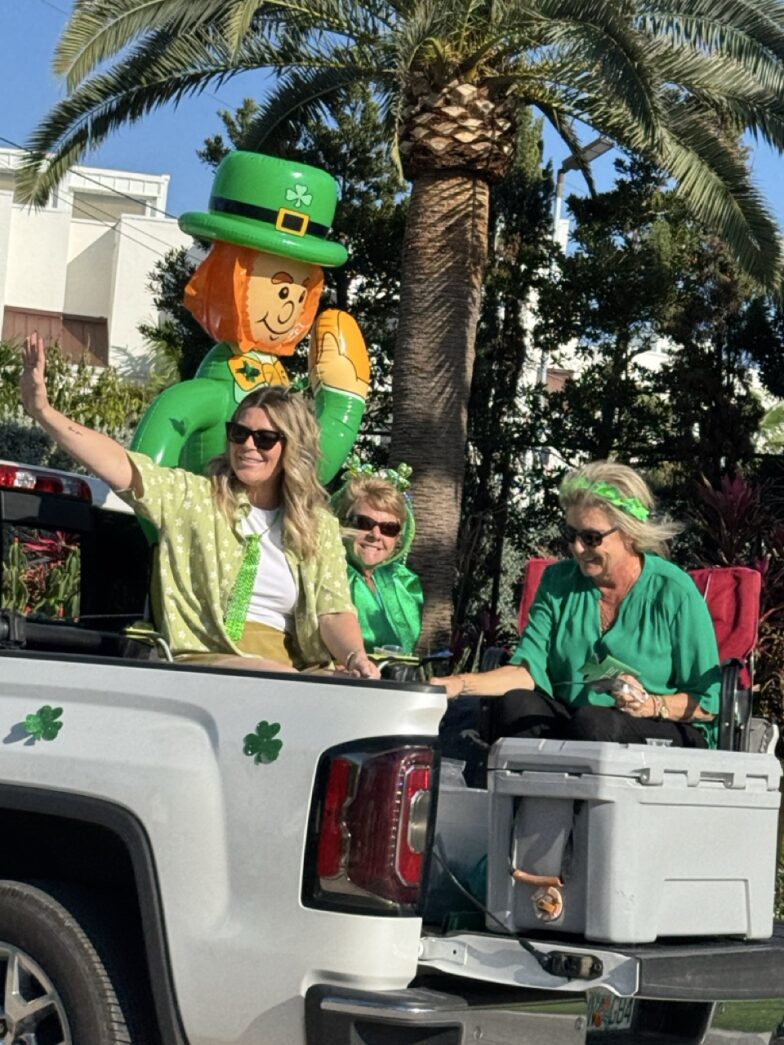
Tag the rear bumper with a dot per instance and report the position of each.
(416, 1016)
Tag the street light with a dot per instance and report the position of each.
(575, 161)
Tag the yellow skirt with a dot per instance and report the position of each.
(258, 640)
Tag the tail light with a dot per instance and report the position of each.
(16, 478)
(370, 828)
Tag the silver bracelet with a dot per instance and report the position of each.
(350, 654)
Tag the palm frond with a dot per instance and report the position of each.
(615, 56)
(300, 94)
(714, 181)
(422, 39)
(730, 89)
(743, 29)
(238, 20)
(100, 29)
(162, 69)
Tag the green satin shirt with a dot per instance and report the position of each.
(663, 630)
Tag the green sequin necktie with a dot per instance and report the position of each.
(242, 592)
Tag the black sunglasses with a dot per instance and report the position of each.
(364, 522)
(588, 538)
(263, 438)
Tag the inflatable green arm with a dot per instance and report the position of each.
(339, 415)
(182, 414)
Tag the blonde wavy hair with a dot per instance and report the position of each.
(646, 535)
(380, 494)
(303, 496)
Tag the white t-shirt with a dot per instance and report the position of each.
(275, 591)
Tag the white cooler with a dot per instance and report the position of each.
(629, 843)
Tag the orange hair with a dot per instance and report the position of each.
(217, 297)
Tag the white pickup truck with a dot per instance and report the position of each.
(205, 856)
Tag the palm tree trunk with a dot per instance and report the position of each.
(444, 254)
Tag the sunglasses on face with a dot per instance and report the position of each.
(588, 538)
(263, 438)
(364, 522)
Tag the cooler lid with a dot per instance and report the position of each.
(647, 764)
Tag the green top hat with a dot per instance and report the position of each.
(270, 204)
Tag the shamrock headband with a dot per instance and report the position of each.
(607, 492)
(399, 477)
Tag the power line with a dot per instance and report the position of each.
(55, 7)
(96, 181)
(84, 207)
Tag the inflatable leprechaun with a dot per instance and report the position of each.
(257, 293)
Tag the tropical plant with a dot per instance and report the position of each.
(97, 397)
(738, 522)
(677, 81)
(42, 574)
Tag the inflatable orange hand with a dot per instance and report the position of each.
(338, 357)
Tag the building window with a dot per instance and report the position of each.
(8, 184)
(557, 378)
(76, 335)
(102, 206)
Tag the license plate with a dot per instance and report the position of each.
(607, 1012)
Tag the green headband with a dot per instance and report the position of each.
(631, 505)
(399, 477)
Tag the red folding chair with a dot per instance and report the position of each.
(732, 595)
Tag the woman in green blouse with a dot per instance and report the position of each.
(250, 566)
(617, 597)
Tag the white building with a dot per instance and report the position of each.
(77, 269)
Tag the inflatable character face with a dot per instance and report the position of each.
(277, 296)
(254, 299)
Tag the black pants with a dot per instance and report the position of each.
(529, 713)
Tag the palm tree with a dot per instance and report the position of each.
(676, 80)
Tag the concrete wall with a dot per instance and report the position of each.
(136, 252)
(53, 260)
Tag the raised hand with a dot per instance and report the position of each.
(99, 454)
(338, 356)
(32, 387)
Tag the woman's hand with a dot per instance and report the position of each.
(453, 684)
(99, 454)
(363, 667)
(32, 386)
(632, 698)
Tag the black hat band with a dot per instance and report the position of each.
(284, 220)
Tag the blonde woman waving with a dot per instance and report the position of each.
(251, 568)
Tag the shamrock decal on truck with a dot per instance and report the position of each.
(43, 725)
(262, 745)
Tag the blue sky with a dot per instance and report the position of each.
(166, 142)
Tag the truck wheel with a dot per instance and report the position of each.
(58, 989)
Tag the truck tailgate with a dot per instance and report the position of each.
(714, 969)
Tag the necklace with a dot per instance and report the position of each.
(611, 599)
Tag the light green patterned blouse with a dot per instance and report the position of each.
(199, 557)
